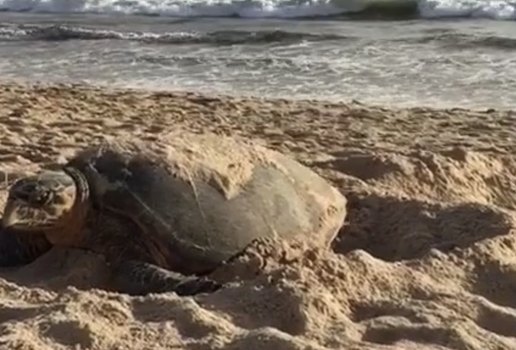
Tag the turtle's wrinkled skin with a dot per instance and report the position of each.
(160, 231)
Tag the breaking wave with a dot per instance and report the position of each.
(494, 9)
(228, 37)
(460, 41)
(450, 40)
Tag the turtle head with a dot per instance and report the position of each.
(45, 201)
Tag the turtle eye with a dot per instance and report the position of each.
(39, 198)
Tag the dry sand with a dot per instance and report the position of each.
(425, 260)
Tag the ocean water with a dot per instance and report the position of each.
(449, 53)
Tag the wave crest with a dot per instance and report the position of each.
(495, 9)
(452, 40)
(64, 32)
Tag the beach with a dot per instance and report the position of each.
(426, 258)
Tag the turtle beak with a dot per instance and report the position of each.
(11, 217)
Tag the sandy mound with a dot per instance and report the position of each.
(425, 260)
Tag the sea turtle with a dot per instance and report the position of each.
(165, 213)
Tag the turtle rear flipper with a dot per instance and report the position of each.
(140, 278)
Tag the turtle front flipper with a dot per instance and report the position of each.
(140, 278)
(20, 248)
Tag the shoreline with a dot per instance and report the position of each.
(120, 88)
(114, 88)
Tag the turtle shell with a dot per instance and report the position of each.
(204, 197)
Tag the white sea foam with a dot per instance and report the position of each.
(495, 9)
(181, 8)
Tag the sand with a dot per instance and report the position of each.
(425, 260)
